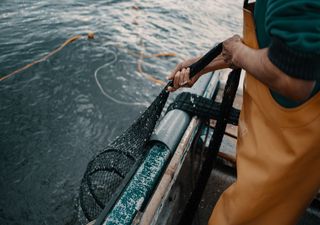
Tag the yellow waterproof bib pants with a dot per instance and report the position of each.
(278, 157)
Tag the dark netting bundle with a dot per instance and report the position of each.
(108, 170)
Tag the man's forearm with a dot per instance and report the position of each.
(236, 54)
(257, 63)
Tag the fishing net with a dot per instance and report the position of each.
(110, 170)
(107, 172)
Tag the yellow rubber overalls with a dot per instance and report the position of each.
(278, 156)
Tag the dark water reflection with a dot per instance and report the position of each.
(54, 117)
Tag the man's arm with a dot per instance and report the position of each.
(255, 61)
(258, 64)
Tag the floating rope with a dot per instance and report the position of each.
(70, 40)
(142, 56)
(104, 92)
(163, 54)
(139, 69)
(90, 35)
(146, 75)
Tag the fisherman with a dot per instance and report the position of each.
(278, 148)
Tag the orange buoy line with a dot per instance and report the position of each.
(70, 40)
(162, 54)
(147, 76)
(90, 35)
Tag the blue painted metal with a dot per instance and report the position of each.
(140, 187)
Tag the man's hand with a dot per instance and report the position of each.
(232, 47)
(181, 75)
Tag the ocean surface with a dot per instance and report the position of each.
(57, 114)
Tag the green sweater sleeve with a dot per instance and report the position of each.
(294, 30)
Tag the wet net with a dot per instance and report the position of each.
(110, 169)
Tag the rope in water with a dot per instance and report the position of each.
(146, 75)
(104, 92)
(91, 36)
(70, 40)
(139, 69)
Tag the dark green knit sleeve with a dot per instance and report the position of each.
(294, 29)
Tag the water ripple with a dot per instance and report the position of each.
(56, 115)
